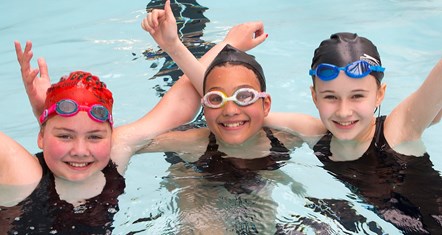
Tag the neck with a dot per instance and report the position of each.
(255, 147)
(348, 150)
(76, 192)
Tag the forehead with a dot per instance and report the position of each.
(79, 123)
(346, 83)
(228, 76)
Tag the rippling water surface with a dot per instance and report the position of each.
(105, 37)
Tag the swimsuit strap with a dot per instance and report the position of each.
(379, 132)
(212, 146)
(42, 162)
(277, 146)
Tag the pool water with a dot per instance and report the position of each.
(105, 37)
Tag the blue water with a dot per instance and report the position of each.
(105, 37)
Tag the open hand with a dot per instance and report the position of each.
(36, 87)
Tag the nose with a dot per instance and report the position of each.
(344, 109)
(79, 148)
(230, 109)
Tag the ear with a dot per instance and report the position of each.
(40, 138)
(267, 103)
(380, 94)
(314, 97)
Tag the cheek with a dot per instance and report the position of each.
(368, 108)
(102, 150)
(324, 108)
(211, 114)
(255, 112)
(54, 149)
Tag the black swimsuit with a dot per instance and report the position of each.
(43, 212)
(238, 175)
(405, 190)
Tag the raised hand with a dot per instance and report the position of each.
(161, 25)
(246, 36)
(35, 86)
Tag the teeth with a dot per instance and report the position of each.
(75, 164)
(236, 124)
(345, 123)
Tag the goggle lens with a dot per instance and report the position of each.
(242, 97)
(66, 107)
(99, 112)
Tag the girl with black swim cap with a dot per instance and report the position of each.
(382, 158)
(235, 151)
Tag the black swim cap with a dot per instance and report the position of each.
(231, 55)
(344, 48)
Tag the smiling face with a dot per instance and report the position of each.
(75, 148)
(233, 124)
(346, 105)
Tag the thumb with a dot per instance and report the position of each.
(168, 9)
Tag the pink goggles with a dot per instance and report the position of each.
(69, 108)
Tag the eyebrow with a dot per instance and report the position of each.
(331, 91)
(235, 88)
(73, 131)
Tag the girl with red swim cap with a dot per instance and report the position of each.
(83, 156)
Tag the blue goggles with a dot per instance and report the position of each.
(357, 69)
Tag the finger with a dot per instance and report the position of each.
(43, 67)
(157, 18)
(145, 26)
(153, 19)
(18, 50)
(27, 54)
(259, 29)
(168, 10)
(28, 47)
(261, 38)
(28, 80)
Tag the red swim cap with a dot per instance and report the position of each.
(82, 87)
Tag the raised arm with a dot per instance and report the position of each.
(35, 86)
(20, 172)
(418, 111)
(161, 24)
(437, 118)
(178, 106)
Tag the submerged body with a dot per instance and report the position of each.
(44, 212)
(404, 190)
(221, 190)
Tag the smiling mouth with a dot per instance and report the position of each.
(78, 164)
(346, 123)
(233, 124)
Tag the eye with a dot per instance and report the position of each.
(357, 96)
(96, 137)
(245, 96)
(215, 99)
(330, 97)
(64, 136)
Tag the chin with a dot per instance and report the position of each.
(232, 141)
